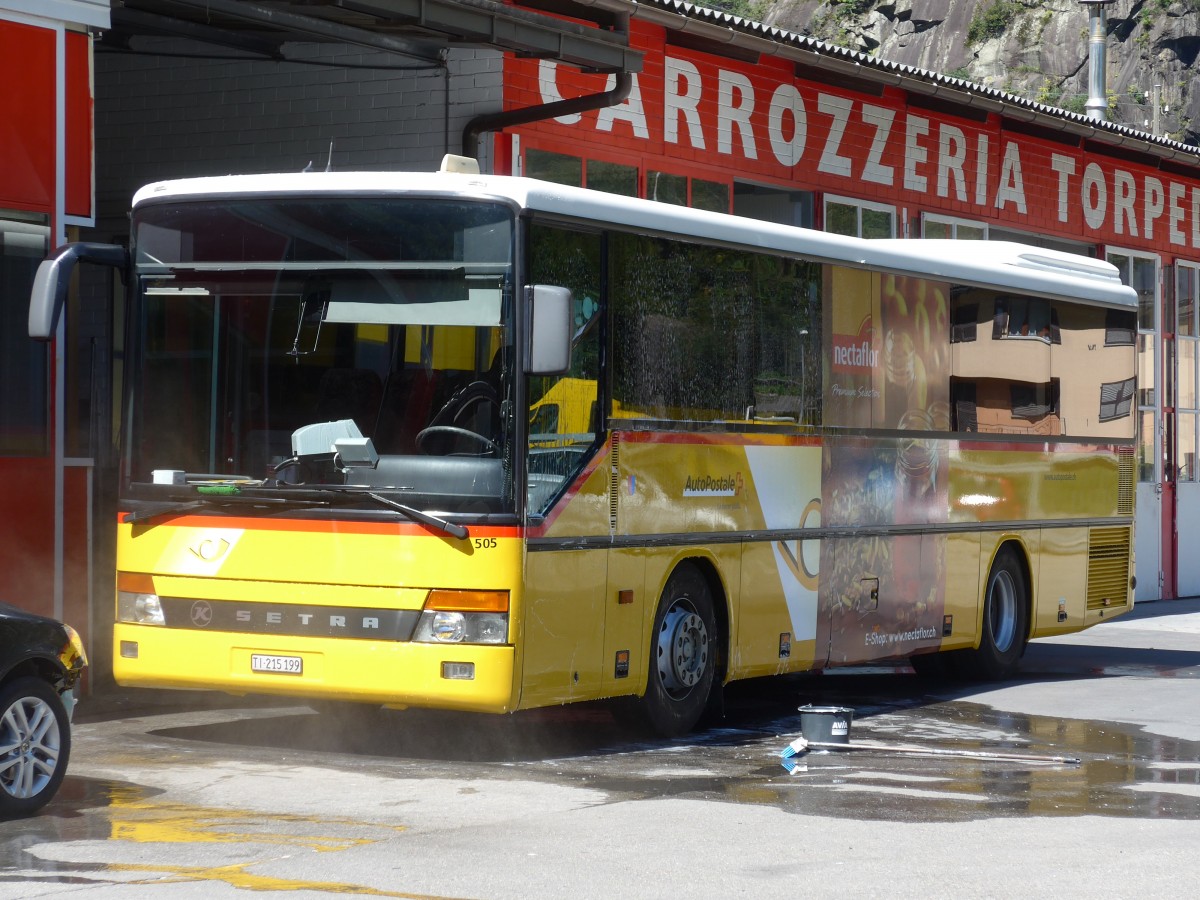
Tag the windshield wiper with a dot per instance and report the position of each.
(231, 495)
(225, 497)
(451, 528)
(163, 509)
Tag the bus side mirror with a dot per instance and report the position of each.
(549, 345)
(54, 278)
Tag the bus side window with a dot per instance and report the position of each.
(562, 417)
(708, 334)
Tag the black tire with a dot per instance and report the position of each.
(684, 649)
(35, 746)
(1005, 623)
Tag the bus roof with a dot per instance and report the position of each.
(1000, 264)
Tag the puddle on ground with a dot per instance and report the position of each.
(1122, 770)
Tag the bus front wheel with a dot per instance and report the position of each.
(1005, 622)
(684, 651)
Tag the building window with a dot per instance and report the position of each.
(1120, 328)
(666, 187)
(1029, 239)
(1024, 317)
(24, 403)
(612, 178)
(964, 409)
(1140, 271)
(950, 228)
(562, 168)
(964, 322)
(773, 204)
(1187, 380)
(1116, 399)
(616, 178)
(710, 195)
(859, 219)
(1034, 401)
(557, 167)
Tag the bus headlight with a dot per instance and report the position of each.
(137, 601)
(451, 627)
(142, 609)
(463, 617)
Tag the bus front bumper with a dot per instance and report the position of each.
(468, 677)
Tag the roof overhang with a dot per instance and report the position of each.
(419, 29)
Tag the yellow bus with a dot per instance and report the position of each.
(485, 443)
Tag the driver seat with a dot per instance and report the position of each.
(474, 407)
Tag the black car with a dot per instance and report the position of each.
(40, 661)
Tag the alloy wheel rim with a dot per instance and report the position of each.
(30, 744)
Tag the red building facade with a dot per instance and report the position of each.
(46, 192)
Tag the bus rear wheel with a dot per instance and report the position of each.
(684, 652)
(1005, 622)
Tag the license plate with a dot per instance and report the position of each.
(276, 665)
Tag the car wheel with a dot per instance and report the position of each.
(35, 745)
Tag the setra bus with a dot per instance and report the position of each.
(487, 443)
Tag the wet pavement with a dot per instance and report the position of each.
(187, 795)
(1122, 770)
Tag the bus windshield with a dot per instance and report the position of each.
(269, 327)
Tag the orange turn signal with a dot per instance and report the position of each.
(135, 582)
(468, 601)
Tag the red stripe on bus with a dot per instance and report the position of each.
(571, 491)
(339, 526)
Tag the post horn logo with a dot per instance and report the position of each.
(210, 549)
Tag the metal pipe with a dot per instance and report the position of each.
(526, 114)
(1097, 101)
(801, 745)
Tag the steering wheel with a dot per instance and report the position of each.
(464, 399)
(488, 445)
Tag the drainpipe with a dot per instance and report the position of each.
(526, 114)
(1097, 102)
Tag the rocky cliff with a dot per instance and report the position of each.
(1034, 49)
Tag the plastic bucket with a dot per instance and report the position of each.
(826, 724)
